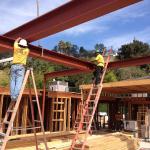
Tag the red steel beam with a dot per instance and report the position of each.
(67, 16)
(58, 58)
(54, 57)
(68, 72)
(50, 56)
(117, 64)
(130, 62)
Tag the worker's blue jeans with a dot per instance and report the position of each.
(16, 78)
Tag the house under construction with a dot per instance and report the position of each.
(61, 107)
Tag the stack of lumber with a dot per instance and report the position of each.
(107, 141)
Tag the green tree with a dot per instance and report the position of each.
(64, 47)
(99, 46)
(130, 73)
(133, 50)
(110, 76)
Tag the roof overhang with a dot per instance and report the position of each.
(123, 87)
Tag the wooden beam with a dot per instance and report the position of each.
(125, 83)
(64, 94)
(131, 86)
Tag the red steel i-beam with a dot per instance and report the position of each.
(54, 57)
(117, 64)
(50, 56)
(68, 72)
(66, 16)
(130, 62)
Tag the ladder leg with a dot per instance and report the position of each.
(89, 110)
(32, 114)
(39, 110)
(14, 113)
(11, 105)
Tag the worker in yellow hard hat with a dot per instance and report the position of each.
(99, 60)
(17, 71)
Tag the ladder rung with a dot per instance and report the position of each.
(88, 115)
(37, 121)
(58, 110)
(10, 111)
(34, 100)
(79, 117)
(6, 122)
(58, 102)
(85, 122)
(93, 100)
(57, 119)
(77, 148)
(90, 107)
(28, 128)
(93, 94)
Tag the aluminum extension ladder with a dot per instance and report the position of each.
(88, 112)
(12, 110)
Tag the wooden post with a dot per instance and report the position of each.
(73, 113)
(65, 107)
(1, 106)
(56, 113)
(61, 115)
(52, 115)
(44, 96)
(69, 114)
(129, 111)
(24, 115)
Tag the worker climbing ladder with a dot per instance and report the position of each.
(12, 110)
(81, 106)
(88, 112)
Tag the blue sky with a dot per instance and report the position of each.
(114, 29)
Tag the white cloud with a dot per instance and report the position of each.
(103, 23)
(116, 42)
(18, 12)
(129, 13)
(92, 26)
